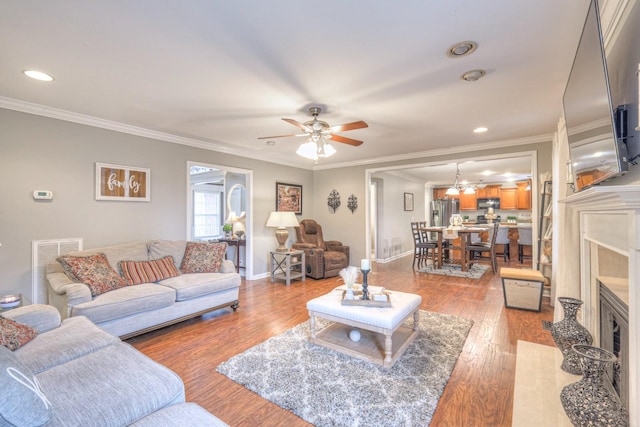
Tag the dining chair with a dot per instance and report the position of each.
(503, 239)
(423, 248)
(525, 238)
(488, 248)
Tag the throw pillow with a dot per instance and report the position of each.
(14, 335)
(137, 272)
(22, 402)
(94, 271)
(203, 257)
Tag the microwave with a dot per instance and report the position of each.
(484, 204)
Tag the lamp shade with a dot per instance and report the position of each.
(282, 219)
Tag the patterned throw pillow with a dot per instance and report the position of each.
(137, 272)
(203, 257)
(94, 271)
(14, 335)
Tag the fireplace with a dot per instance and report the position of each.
(614, 334)
(598, 261)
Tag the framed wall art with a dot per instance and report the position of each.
(124, 183)
(408, 201)
(288, 198)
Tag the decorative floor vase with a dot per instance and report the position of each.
(568, 332)
(591, 401)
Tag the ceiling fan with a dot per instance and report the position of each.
(315, 129)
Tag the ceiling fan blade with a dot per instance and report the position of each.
(298, 124)
(349, 126)
(278, 136)
(339, 138)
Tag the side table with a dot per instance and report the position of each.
(237, 243)
(287, 266)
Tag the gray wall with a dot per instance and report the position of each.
(38, 153)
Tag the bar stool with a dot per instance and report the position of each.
(503, 239)
(525, 238)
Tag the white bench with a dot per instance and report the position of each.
(384, 338)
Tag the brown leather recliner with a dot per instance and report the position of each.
(323, 258)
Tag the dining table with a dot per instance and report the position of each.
(452, 233)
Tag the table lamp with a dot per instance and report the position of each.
(282, 220)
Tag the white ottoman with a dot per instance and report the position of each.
(384, 338)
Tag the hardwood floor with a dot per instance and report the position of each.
(479, 392)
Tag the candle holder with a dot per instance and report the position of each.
(365, 290)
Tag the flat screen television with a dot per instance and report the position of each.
(596, 131)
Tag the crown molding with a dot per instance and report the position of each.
(613, 15)
(83, 119)
(421, 155)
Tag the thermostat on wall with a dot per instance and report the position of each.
(43, 195)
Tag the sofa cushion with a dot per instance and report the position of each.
(161, 248)
(189, 286)
(14, 335)
(94, 271)
(76, 337)
(137, 272)
(183, 414)
(22, 402)
(133, 251)
(203, 257)
(125, 301)
(114, 386)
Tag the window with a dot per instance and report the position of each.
(207, 212)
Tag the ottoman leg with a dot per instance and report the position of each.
(416, 319)
(312, 326)
(388, 348)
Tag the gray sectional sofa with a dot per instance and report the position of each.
(132, 310)
(75, 374)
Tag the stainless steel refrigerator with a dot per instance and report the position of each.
(441, 211)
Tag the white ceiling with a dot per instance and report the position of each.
(225, 72)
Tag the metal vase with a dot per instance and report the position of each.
(591, 401)
(568, 332)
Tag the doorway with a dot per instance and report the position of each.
(219, 195)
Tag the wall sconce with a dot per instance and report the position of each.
(333, 200)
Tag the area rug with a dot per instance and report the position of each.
(475, 272)
(327, 388)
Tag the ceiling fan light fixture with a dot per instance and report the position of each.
(325, 150)
(308, 150)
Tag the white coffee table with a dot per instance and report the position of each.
(384, 337)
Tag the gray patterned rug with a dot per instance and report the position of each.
(327, 388)
(475, 272)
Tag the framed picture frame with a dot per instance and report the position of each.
(288, 198)
(408, 201)
(122, 183)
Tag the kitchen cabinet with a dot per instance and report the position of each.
(439, 193)
(468, 202)
(509, 199)
(524, 195)
(488, 192)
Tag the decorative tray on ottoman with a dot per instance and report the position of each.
(383, 301)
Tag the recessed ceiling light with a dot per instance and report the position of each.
(487, 173)
(480, 129)
(38, 75)
(271, 143)
(473, 75)
(461, 49)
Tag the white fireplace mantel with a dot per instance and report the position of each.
(608, 216)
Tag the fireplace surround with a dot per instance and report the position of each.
(600, 232)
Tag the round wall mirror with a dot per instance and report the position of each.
(237, 208)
